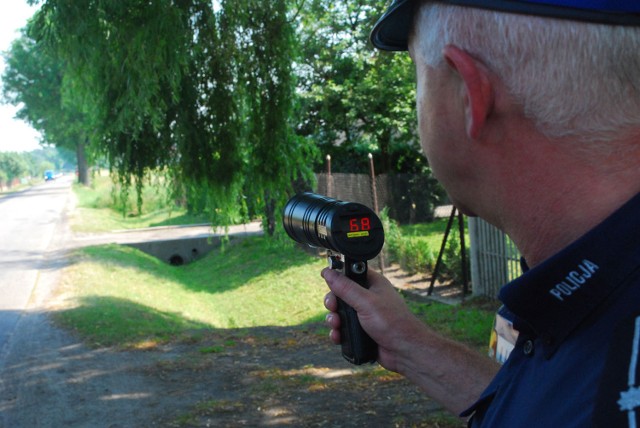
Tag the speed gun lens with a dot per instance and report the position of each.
(348, 228)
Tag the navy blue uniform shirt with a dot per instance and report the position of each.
(575, 363)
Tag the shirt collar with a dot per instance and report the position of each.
(554, 297)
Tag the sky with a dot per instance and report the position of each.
(15, 135)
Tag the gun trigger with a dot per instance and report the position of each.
(335, 263)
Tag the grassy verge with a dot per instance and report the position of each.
(98, 208)
(4, 190)
(470, 322)
(120, 296)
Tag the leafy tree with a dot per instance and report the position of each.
(229, 98)
(34, 79)
(275, 157)
(354, 98)
(12, 167)
(54, 158)
(177, 86)
(3, 179)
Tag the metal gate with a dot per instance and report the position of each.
(495, 260)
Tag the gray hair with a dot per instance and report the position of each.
(573, 79)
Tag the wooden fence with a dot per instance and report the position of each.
(410, 198)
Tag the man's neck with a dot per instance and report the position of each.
(565, 203)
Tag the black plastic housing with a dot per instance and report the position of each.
(348, 228)
(353, 234)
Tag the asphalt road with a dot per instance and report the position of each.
(29, 221)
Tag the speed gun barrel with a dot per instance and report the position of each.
(347, 228)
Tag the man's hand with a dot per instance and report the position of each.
(380, 308)
(447, 371)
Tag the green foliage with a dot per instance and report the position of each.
(13, 166)
(154, 191)
(416, 247)
(417, 256)
(417, 197)
(56, 158)
(178, 86)
(471, 322)
(99, 207)
(275, 157)
(231, 100)
(351, 94)
(35, 80)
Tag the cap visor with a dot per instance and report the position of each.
(391, 32)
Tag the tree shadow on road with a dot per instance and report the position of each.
(263, 376)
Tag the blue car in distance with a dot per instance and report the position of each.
(49, 175)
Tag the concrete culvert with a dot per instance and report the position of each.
(176, 260)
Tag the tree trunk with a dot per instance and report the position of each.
(270, 213)
(385, 156)
(83, 166)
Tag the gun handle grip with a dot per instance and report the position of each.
(357, 347)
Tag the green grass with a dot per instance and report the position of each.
(120, 296)
(416, 247)
(470, 322)
(117, 295)
(106, 220)
(430, 233)
(98, 211)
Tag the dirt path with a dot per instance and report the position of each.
(268, 376)
(259, 377)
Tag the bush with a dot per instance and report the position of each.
(417, 256)
(452, 258)
(104, 192)
(416, 248)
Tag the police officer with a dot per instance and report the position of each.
(529, 114)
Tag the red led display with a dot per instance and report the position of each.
(357, 224)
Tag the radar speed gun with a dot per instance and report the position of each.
(352, 234)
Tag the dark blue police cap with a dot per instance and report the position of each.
(392, 30)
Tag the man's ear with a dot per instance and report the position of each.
(479, 96)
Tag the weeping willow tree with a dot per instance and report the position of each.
(266, 40)
(201, 91)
